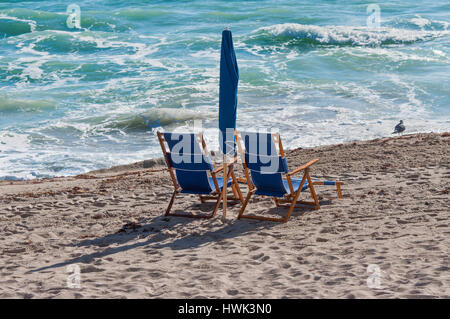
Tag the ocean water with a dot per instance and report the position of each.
(73, 100)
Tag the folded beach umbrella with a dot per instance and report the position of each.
(229, 77)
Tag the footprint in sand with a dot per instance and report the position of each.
(91, 268)
(302, 261)
(286, 265)
(261, 256)
(232, 292)
(258, 256)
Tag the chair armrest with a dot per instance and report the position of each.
(303, 167)
(228, 165)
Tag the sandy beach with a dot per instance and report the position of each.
(395, 215)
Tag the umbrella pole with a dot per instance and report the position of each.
(224, 187)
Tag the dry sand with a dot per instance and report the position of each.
(395, 214)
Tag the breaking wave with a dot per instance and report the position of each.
(343, 35)
(155, 118)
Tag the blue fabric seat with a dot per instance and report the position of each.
(276, 193)
(191, 165)
(192, 171)
(267, 166)
(295, 184)
(330, 183)
(268, 174)
(219, 183)
(205, 191)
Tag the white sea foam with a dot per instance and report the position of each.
(11, 141)
(349, 35)
(420, 22)
(392, 54)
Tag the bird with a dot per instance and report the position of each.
(400, 127)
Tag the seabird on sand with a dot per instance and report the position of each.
(400, 127)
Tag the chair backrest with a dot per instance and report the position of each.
(188, 157)
(265, 164)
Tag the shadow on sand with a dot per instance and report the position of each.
(153, 231)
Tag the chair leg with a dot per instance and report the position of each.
(238, 189)
(338, 189)
(171, 203)
(219, 199)
(233, 188)
(294, 201)
(241, 212)
(296, 196)
(313, 192)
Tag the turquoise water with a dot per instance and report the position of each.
(73, 100)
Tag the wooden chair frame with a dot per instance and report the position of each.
(292, 198)
(215, 195)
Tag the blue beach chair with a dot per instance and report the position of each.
(265, 169)
(192, 171)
